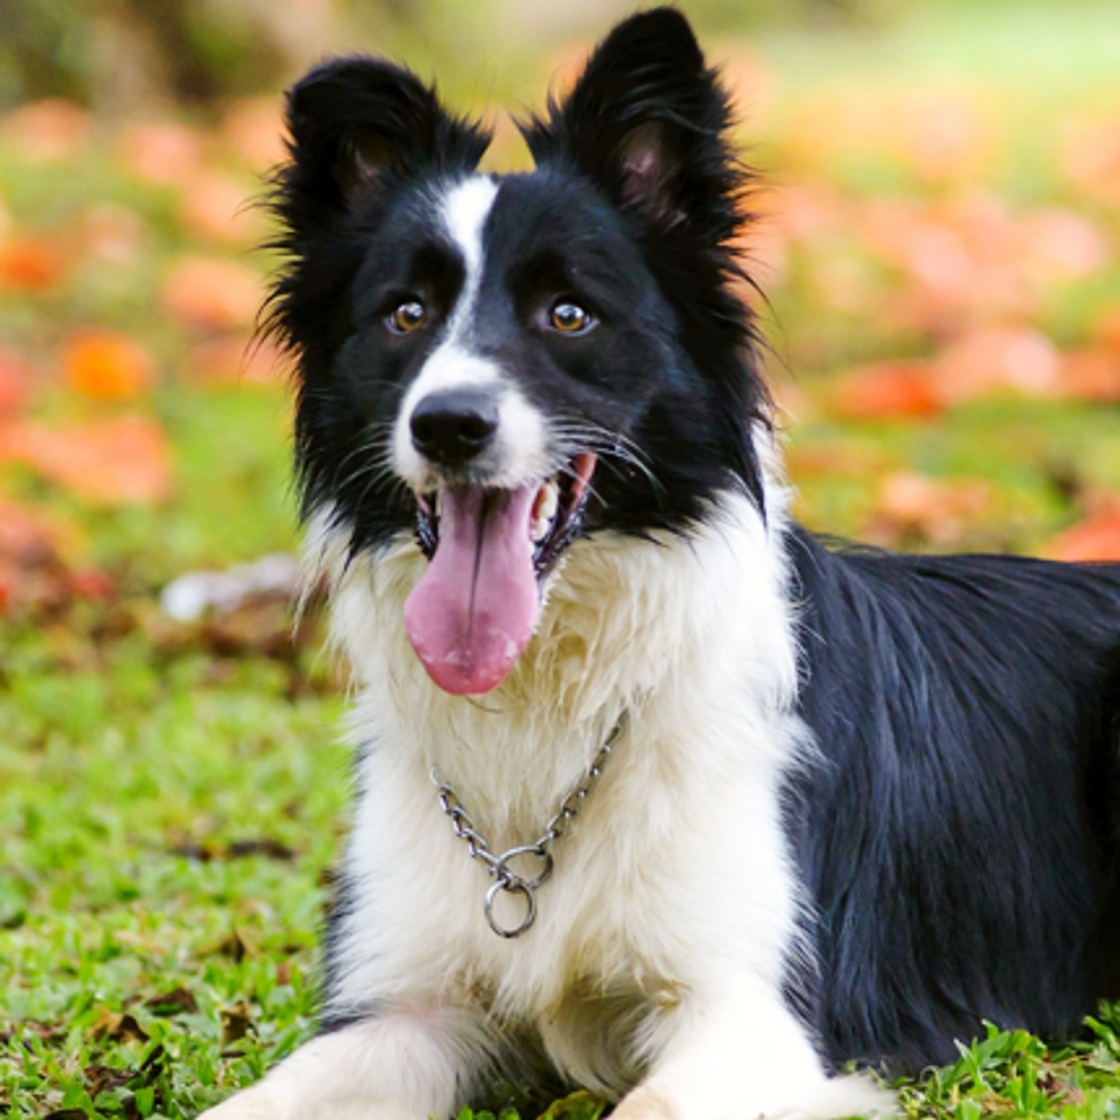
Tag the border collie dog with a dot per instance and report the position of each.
(656, 794)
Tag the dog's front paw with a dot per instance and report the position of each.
(645, 1103)
(834, 1099)
(259, 1103)
(241, 1107)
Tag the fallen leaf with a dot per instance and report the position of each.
(110, 1025)
(91, 583)
(48, 1032)
(1090, 375)
(101, 1079)
(162, 152)
(889, 389)
(994, 359)
(1061, 244)
(1097, 537)
(214, 294)
(178, 1001)
(1107, 331)
(239, 944)
(107, 365)
(237, 1021)
(265, 846)
(217, 206)
(49, 131)
(111, 462)
(30, 264)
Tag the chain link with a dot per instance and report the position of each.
(506, 879)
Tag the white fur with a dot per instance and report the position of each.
(520, 453)
(654, 969)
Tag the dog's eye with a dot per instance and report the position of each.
(409, 316)
(569, 318)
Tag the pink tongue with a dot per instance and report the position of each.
(475, 608)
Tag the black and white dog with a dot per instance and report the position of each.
(656, 795)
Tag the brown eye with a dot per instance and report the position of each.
(569, 318)
(409, 316)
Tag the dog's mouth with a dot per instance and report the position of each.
(474, 609)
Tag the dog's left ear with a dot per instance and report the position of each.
(647, 120)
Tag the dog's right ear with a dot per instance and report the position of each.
(355, 123)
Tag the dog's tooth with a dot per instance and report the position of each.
(544, 510)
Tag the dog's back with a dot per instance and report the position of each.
(959, 835)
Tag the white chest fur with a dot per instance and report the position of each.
(675, 870)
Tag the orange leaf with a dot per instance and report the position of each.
(15, 383)
(91, 583)
(48, 131)
(30, 264)
(1091, 375)
(112, 462)
(1095, 538)
(1092, 157)
(215, 206)
(161, 151)
(106, 364)
(1108, 329)
(998, 359)
(886, 390)
(1063, 244)
(211, 293)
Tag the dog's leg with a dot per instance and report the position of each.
(742, 1055)
(400, 1066)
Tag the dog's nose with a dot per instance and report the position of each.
(453, 426)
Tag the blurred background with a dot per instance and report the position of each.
(939, 244)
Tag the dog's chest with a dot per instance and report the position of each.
(676, 865)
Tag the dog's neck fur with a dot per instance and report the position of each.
(620, 632)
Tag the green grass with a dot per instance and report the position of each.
(132, 783)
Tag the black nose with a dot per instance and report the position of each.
(453, 426)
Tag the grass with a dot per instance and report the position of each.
(172, 796)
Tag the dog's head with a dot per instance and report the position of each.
(499, 365)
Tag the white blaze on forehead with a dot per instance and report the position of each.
(465, 210)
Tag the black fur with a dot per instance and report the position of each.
(959, 836)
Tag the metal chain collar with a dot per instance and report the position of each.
(506, 879)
